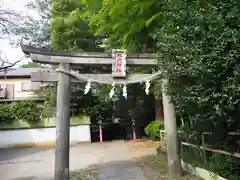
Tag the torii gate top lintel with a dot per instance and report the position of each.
(46, 56)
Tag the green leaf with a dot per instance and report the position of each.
(154, 17)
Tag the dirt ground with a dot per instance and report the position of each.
(154, 166)
(89, 173)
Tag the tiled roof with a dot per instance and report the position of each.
(19, 72)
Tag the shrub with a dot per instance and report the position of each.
(153, 129)
(223, 165)
(3, 108)
(24, 110)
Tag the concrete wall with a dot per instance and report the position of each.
(41, 136)
(200, 172)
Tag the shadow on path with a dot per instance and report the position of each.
(15, 153)
(120, 170)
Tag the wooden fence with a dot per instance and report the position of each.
(202, 146)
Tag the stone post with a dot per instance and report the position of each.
(62, 126)
(170, 126)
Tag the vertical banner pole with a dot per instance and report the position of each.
(134, 132)
(100, 133)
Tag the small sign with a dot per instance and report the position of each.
(119, 63)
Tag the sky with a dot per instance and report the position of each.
(13, 54)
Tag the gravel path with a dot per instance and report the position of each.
(113, 159)
(38, 163)
(118, 160)
(119, 165)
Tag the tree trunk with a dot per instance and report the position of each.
(159, 109)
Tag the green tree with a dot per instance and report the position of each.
(198, 51)
(197, 44)
(70, 31)
(15, 26)
(35, 29)
(8, 18)
(126, 24)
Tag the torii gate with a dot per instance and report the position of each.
(67, 63)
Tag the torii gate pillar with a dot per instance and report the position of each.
(170, 126)
(62, 125)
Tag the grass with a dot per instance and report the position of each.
(89, 173)
(155, 168)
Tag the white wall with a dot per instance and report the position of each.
(41, 136)
(18, 93)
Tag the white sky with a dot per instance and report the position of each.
(13, 54)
